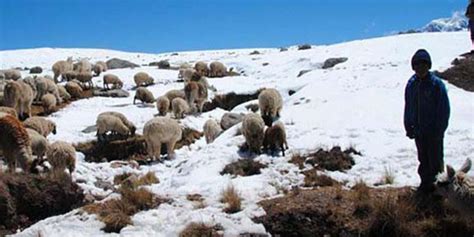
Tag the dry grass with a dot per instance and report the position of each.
(141, 198)
(197, 199)
(231, 197)
(195, 229)
(388, 177)
(392, 217)
(148, 179)
(314, 179)
(115, 222)
(118, 179)
(132, 182)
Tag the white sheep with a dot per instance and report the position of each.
(252, 129)
(19, 95)
(212, 130)
(12, 74)
(61, 155)
(9, 110)
(41, 125)
(171, 94)
(158, 131)
(143, 79)
(104, 65)
(98, 69)
(163, 105)
(61, 67)
(275, 137)
(39, 144)
(83, 67)
(270, 104)
(69, 75)
(109, 123)
(124, 120)
(144, 95)
(196, 94)
(217, 69)
(63, 93)
(186, 74)
(48, 102)
(30, 81)
(180, 107)
(74, 89)
(201, 68)
(112, 79)
(15, 143)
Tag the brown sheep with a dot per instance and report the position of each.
(85, 77)
(201, 68)
(19, 95)
(275, 137)
(252, 129)
(112, 79)
(270, 104)
(171, 94)
(217, 69)
(9, 110)
(196, 93)
(144, 95)
(41, 125)
(163, 105)
(61, 155)
(74, 89)
(61, 67)
(12, 74)
(15, 143)
(143, 79)
(49, 103)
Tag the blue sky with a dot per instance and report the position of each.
(167, 26)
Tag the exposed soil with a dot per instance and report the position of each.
(332, 160)
(243, 167)
(28, 198)
(230, 100)
(461, 74)
(334, 211)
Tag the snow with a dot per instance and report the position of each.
(457, 22)
(358, 103)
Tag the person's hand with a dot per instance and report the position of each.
(411, 134)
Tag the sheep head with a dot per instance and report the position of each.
(453, 179)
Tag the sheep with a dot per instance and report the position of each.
(124, 120)
(61, 155)
(180, 107)
(48, 102)
(144, 95)
(186, 74)
(171, 94)
(143, 79)
(217, 69)
(275, 137)
(12, 74)
(270, 104)
(195, 93)
(44, 86)
(9, 110)
(69, 75)
(83, 67)
(41, 125)
(112, 79)
(252, 129)
(98, 68)
(63, 93)
(158, 131)
(39, 144)
(2, 75)
(212, 130)
(110, 123)
(163, 105)
(30, 81)
(458, 188)
(203, 80)
(74, 89)
(201, 68)
(19, 96)
(85, 77)
(104, 65)
(15, 143)
(61, 67)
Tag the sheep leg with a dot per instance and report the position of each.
(282, 149)
(157, 153)
(170, 147)
(134, 98)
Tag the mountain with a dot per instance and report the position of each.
(457, 22)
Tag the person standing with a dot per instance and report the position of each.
(426, 118)
(470, 17)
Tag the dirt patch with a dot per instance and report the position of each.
(313, 178)
(230, 100)
(337, 212)
(133, 148)
(461, 73)
(332, 160)
(28, 198)
(243, 167)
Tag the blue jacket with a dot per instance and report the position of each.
(426, 107)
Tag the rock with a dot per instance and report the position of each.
(255, 52)
(283, 49)
(90, 129)
(302, 72)
(230, 119)
(163, 64)
(304, 46)
(265, 64)
(331, 62)
(36, 70)
(115, 63)
(111, 93)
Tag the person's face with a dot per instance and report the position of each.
(421, 69)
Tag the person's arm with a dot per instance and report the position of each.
(444, 110)
(408, 113)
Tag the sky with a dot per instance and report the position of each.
(157, 26)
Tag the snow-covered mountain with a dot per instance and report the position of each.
(357, 103)
(457, 22)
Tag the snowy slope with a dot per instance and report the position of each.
(357, 103)
(457, 22)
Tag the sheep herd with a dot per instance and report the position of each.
(24, 143)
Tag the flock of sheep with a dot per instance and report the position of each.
(24, 143)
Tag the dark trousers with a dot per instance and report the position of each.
(430, 155)
(471, 28)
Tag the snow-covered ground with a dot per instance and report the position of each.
(357, 103)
